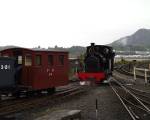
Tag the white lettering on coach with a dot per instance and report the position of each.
(5, 67)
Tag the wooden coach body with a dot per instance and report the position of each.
(40, 68)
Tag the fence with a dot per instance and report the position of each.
(141, 69)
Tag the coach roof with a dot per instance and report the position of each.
(34, 49)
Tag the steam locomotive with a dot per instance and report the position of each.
(98, 63)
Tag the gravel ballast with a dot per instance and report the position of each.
(109, 106)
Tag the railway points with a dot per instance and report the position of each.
(136, 107)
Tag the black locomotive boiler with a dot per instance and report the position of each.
(98, 63)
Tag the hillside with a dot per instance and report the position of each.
(74, 51)
(140, 40)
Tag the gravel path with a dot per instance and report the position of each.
(109, 106)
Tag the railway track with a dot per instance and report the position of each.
(25, 98)
(26, 104)
(138, 107)
(123, 70)
(142, 95)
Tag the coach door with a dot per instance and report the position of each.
(27, 69)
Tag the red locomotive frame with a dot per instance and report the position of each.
(100, 76)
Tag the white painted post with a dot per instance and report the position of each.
(76, 63)
(96, 109)
(134, 73)
(110, 64)
(145, 76)
(145, 73)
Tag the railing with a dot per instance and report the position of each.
(141, 69)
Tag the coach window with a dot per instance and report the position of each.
(28, 60)
(50, 59)
(38, 60)
(19, 60)
(61, 59)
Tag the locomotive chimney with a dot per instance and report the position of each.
(92, 44)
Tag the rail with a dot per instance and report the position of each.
(135, 106)
(26, 104)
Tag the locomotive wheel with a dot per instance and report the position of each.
(37, 92)
(29, 93)
(51, 90)
(17, 94)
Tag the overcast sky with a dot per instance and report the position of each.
(29, 23)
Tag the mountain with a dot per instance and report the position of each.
(76, 51)
(140, 40)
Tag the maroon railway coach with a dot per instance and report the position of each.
(39, 68)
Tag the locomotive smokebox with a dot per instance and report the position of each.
(92, 44)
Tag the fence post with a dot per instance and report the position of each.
(145, 76)
(134, 74)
